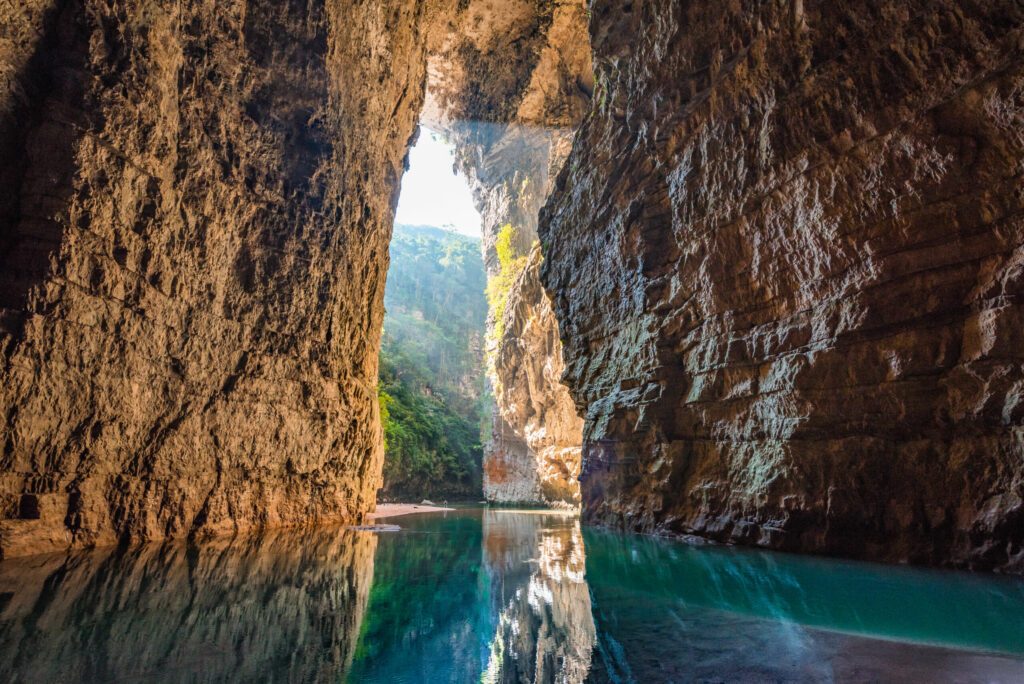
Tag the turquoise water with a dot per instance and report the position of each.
(496, 596)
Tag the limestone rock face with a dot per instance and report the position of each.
(787, 259)
(530, 394)
(533, 455)
(193, 243)
(509, 88)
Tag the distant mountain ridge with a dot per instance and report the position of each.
(442, 233)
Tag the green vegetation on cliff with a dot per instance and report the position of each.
(499, 286)
(431, 366)
(509, 267)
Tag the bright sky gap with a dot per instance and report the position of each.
(432, 193)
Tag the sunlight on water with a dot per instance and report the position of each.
(496, 596)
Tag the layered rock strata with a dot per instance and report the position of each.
(193, 242)
(786, 256)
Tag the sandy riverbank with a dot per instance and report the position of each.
(393, 510)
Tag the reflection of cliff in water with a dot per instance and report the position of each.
(536, 568)
(497, 596)
(285, 606)
(424, 622)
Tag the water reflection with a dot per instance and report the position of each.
(667, 612)
(536, 572)
(424, 621)
(285, 606)
(496, 596)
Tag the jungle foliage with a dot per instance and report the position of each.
(431, 366)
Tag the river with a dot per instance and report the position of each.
(496, 596)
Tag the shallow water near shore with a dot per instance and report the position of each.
(496, 596)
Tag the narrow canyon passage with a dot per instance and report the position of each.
(749, 273)
(471, 344)
(433, 393)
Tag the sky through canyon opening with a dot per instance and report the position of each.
(433, 393)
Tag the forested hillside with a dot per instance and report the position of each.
(431, 370)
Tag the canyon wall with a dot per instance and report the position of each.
(509, 89)
(193, 243)
(784, 260)
(534, 453)
(787, 259)
(530, 395)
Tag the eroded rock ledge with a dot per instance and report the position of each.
(786, 256)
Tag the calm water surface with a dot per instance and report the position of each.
(496, 596)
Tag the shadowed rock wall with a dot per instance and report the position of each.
(786, 258)
(193, 243)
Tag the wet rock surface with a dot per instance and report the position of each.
(786, 259)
